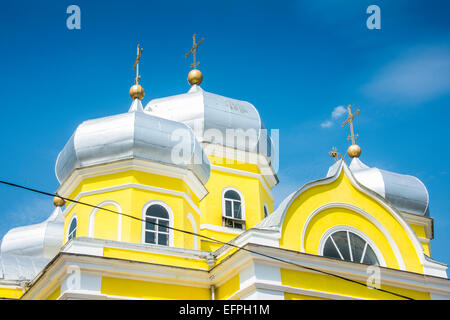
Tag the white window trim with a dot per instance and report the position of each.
(94, 212)
(355, 231)
(242, 202)
(169, 211)
(194, 230)
(74, 216)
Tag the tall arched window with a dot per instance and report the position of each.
(72, 229)
(233, 209)
(266, 211)
(349, 246)
(159, 233)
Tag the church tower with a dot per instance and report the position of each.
(240, 151)
(127, 164)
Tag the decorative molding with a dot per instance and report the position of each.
(213, 227)
(94, 212)
(247, 174)
(357, 232)
(381, 228)
(238, 155)
(194, 230)
(171, 219)
(77, 175)
(136, 186)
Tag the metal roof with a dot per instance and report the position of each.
(215, 118)
(134, 134)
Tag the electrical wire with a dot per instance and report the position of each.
(208, 238)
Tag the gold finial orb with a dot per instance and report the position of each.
(354, 151)
(195, 77)
(58, 201)
(137, 92)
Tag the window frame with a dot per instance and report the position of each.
(147, 205)
(235, 220)
(68, 233)
(357, 232)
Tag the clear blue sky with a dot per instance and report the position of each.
(296, 61)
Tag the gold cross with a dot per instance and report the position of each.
(335, 154)
(136, 65)
(194, 51)
(350, 117)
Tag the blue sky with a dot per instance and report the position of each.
(296, 61)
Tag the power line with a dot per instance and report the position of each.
(205, 237)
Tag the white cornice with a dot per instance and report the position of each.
(67, 187)
(423, 221)
(242, 156)
(136, 186)
(56, 272)
(246, 174)
(220, 229)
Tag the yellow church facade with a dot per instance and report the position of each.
(166, 202)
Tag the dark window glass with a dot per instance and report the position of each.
(228, 208)
(157, 221)
(150, 237)
(163, 223)
(72, 229)
(340, 238)
(162, 239)
(348, 246)
(265, 212)
(370, 257)
(357, 244)
(150, 223)
(329, 250)
(230, 194)
(157, 210)
(237, 210)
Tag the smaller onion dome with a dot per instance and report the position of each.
(406, 193)
(215, 118)
(42, 240)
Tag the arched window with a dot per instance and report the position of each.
(266, 211)
(233, 209)
(72, 229)
(349, 246)
(159, 233)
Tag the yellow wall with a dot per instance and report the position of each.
(342, 191)
(254, 194)
(132, 201)
(327, 284)
(11, 292)
(152, 290)
(170, 260)
(227, 289)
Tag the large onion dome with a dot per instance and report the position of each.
(209, 114)
(134, 134)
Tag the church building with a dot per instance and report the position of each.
(173, 200)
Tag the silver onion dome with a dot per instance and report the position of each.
(42, 240)
(213, 117)
(134, 134)
(406, 193)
